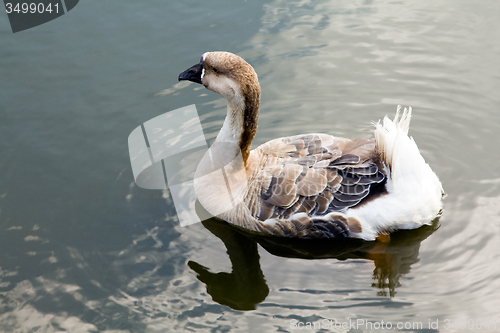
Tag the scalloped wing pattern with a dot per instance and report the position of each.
(309, 180)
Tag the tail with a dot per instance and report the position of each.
(414, 192)
(400, 153)
(389, 134)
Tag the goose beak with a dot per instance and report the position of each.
(194, 73)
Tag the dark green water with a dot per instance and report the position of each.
(83, 249)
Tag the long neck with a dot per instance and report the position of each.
(240, 125)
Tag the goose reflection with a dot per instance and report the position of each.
(245, 286)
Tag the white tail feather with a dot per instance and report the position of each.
(414, 190)
(388, 135)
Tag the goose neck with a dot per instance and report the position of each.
(240, 125)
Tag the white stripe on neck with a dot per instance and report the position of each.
(203, 69)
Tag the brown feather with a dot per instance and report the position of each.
(312, 180)
(312, 183)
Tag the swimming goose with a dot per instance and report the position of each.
(311, 185)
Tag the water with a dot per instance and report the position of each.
(83, 249)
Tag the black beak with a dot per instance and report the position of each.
(193, 73)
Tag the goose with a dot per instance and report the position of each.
(311, 185)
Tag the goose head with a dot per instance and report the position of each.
(224, 73)
(234, 79)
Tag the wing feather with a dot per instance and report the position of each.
(309, 180)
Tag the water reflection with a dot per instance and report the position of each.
(245, 286)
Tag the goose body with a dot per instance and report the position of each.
(312, 185)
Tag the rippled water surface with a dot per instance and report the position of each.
(83, 249)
